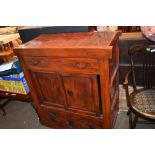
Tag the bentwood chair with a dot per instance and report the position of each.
(141, 102)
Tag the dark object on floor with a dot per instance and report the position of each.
(4, 103)
(141, 102)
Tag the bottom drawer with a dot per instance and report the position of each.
(77, 121)
(53, 117)
(60, 119)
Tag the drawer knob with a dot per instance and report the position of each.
(53, 117)
(82, 65)
(69, 92)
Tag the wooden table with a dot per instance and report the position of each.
(6, 46)
(6, 54)
(5, 98)
(4, 39)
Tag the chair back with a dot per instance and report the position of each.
(142, 59)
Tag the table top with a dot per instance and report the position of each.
(8, 38)
(73, 40)
(6, 53)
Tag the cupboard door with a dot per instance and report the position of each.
(82, 93)
(49, 88)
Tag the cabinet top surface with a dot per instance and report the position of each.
(73, 40)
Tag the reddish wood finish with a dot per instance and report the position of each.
(73, 78)
(71, 65)
(81, 93)
(53, 117)
(47, 84)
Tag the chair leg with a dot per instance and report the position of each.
(130, 119)
(128, 112)
(132, 123)
(135, 121)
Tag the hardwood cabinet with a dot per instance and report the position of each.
(73, 78)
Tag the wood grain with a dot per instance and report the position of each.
(73, 78)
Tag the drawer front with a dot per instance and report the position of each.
(53, 117)
(82, 65)
(77, 121)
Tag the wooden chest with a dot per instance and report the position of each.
(73, 78)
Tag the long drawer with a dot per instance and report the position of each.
(78, 65)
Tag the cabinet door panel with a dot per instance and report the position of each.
(49, 88)
(82, 93)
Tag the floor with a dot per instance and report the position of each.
(21, 115)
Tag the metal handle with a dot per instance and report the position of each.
(82, 65)
(35, 62)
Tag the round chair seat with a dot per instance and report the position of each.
(143, 102)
